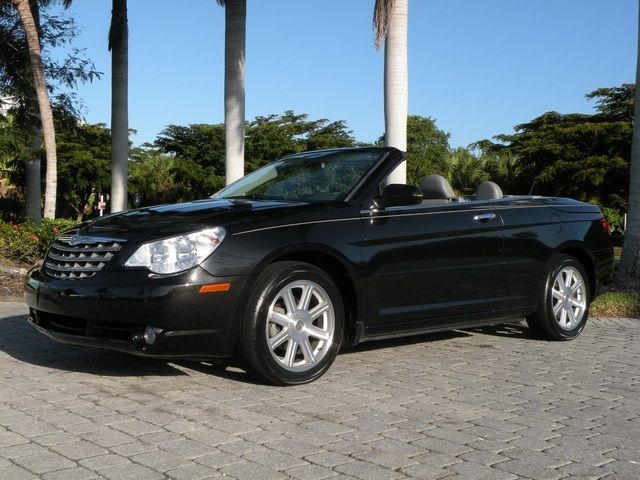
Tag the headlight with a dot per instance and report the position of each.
(175, 254)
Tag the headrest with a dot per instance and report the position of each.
(488, 191)
(435, 186)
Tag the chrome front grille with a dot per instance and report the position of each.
(74, 257)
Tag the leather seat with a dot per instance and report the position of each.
(436, 187)
(488, 191)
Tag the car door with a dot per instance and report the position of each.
(429, 265)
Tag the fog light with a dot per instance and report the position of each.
(149, 336)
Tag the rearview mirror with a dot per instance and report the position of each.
(399, 194)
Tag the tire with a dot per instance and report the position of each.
(563, 301)
(287, 339)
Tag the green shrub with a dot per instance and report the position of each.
(27, 242)
(614, 217)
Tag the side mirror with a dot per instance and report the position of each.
(398, 194)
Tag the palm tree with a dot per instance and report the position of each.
(466, 171)
(234, 58)
(119, 48)
(28, 12)
(390, 25)
(629, 268)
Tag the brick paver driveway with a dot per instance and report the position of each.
(488, 403)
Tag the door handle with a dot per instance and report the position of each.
(484, 217)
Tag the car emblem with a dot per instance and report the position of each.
(75, 240)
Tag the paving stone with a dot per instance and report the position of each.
(478, 471)
(530, 469)
(34, 428)
(441, 446)
(252, 471)
(131, 472)
(133, 448)
(241, 447)
(107, 437)
(102, 462)
(12, 472)
(426, 472)
(367, 471)
(384, 459)
(211, 437)
(328, 459)
(293, 447)
(192, 472)
(310, 472)
(9, 439)
(275, 460)
(219, 459)
(136, 427)
(79, 449)
(21, 450)
(52, 439)
(160, 461)
(44, 462)
(186, 448)
(76, 473)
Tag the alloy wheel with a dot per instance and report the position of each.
(300, 325)
(568, 298)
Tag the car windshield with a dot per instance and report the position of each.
(314, 176)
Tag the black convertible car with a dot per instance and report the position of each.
(313, 252)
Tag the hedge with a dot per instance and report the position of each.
(28, 243)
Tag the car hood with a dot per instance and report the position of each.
(175, 219)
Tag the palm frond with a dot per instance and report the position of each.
(381, 16)
(222, 3)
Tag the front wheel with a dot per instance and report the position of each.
(293, 324)
(563, 301)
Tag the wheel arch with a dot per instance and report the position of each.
(582, 255)
(337, 268)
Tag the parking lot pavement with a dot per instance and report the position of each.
(478, 404)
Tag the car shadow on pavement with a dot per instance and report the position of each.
(512, 330)
(20, 341)
(403, 341)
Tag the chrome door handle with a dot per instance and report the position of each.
(484, 217)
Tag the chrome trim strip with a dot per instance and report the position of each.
(77, 239)
(499, 207)
(373, 217)
(286, 225)
(367, 215)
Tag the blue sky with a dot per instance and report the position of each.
(478, 67)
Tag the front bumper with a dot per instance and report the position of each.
(112, 309)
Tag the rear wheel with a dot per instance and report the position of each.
(563, 301)
(293, 324)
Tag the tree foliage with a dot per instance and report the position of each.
(198, 150)
(577, 155)
(84, 166)
(18, 78)
(427, 149)
(274, 136)
(57, 31)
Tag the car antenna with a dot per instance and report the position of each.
(533, 185)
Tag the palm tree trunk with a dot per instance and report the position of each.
(33, 180)
(234, 101)
(44, 105)
(629, 268)
(396, 88)
(119, 46)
